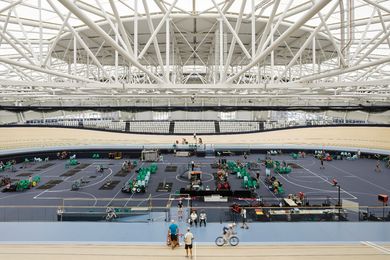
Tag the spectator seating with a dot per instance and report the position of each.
(149, 126)
(198, 127)
(238, 126)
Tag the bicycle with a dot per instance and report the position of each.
(111, 215)
(233, 240)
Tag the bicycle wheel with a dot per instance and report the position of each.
(219, 241)
(233, 241)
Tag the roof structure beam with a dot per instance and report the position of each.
(10, 6)
(383, 26)
(222, 15)
(43, 70)
(337, 72)
(331, 38)
(24, 55)
(268, 27)
(154, 39)
(77, 36)
(301, 21)
(275, 28)
(379, 42)
(155, 32)
(26, 36)
(377, 5)
(233, 43)
(56, 40)
(91, 24)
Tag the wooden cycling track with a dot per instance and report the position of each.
(362, 251)
(358, 137)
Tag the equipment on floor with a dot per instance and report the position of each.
(71, 162)
(115, 155)
(140, 183)
(77, 184)
(282, 169)
(150, 155)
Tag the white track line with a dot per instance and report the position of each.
(195, 250)
(362, 179)
(306, 187)
(273, 194)
(325, 180)
(35, 197)
(93, 184)
(377, 247)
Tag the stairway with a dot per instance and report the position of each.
(171, 127)
(217, 129)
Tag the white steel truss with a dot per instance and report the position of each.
(227, 52)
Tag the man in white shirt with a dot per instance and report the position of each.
(202, 218)
(188, 237)
(244, 220)
(194, 218)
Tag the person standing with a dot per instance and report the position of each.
(180, 210)
(173, 232)
(188, 238)
(244, 220)
(202, 218)
(378, 166)
(322, 162)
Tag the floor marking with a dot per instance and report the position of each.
(131, 177)
(16, 195)
(142, 201)
(273, 194)
(195, 249)
(310, 188)
(35, 197)
(62, 198)
(377, 247)
(354, 197)
(362, 179)
(108, 204)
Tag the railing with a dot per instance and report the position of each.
(149, 213)
(188, 127)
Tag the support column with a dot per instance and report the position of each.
(272, 57)
(136, 29)
(167, 43)
(314, 54)
(253, 33)
(220, 49)
(74, 55)
(116, 55)
(216, 51)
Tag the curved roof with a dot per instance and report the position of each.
(284, 49)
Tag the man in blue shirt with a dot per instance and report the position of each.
(173, 232)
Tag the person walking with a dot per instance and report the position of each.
(188, 238)
(322, 162)
(173, 233)
(202, 218)
(244, 219)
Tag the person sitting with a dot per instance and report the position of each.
(194, 218)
